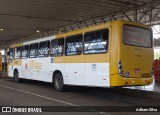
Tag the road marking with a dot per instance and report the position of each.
(39, 95)
(60, 101)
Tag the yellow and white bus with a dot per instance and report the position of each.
(118, 53)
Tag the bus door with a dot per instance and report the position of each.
(10, 59)
(74, 60)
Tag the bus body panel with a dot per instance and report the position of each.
(74, 69)
(59, 64)
(114, 51)
(94, 74)
(137, 60)
(131, 57)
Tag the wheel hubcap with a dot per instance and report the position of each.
(16, 76)
(58, 83)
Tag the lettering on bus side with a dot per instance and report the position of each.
(36, 65)
(15, 62)
(94, 67)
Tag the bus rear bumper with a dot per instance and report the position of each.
(117, 80)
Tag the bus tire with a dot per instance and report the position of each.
(58, 82)
(16, 76)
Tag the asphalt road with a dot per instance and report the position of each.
(33, 93)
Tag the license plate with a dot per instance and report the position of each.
(137, 70)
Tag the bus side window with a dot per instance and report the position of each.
(25, 51)
(17, 53)
(73, 45)
(96, 42)
(11, 53)
(57, 46)
(44, 49)
(33, 50)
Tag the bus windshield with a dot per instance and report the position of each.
(137, 36)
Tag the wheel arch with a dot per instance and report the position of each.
(54, 73)
(15, 70)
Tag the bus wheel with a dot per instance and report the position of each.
(16, 77)
(58, 82)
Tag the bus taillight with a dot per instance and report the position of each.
(120, 68)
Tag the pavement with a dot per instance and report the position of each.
(154, 87)
(35, 93)
(151, 91)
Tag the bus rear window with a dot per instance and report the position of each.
(137, 36)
